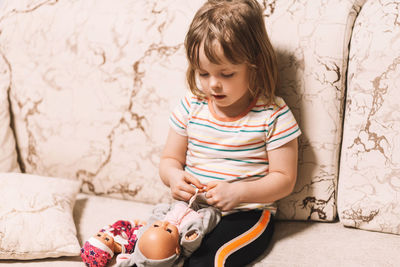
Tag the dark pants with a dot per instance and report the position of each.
(237, 240)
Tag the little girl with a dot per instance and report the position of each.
(231, 136)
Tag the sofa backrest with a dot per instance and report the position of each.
(8, 153)
(92, 85)
(311, 39)
(369, 183)
(93, 82)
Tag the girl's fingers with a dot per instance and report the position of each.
(211, 185)
(212, 202)
(185, 187)
(183, 196)
(180, 194)
(185, 192)
(194, 181)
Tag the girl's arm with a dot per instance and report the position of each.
(277, 184)
(172, 168)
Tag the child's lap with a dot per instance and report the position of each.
(237, 240)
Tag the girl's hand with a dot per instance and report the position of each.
(183, 185)
(222, 195)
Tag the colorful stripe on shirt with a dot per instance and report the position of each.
(231, 150)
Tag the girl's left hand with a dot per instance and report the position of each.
(222, 195)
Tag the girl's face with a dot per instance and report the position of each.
(225, 84)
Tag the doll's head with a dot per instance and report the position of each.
(159, 241)
(119, 237)
(98, 250)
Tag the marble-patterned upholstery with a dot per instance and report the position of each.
(93, 84)
(369, 183)
(8, 152)
(311, 40)
(91, 97)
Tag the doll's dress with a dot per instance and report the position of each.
(124, 233)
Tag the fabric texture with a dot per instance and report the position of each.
(124, 233)
(97, 254)
(236, 241)
(93, 255)
(308, 242)
(8, 155)
(369, 184)
(233, 150)
(97, 107)
(36, 217)
(108, 81)
(181, 215)
(311, 40)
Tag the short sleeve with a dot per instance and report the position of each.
(282, 125)
(178, 119)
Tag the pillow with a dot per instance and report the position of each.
(36, 217)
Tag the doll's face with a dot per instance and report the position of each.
(106, 239)
(160, 241)
(109, 242)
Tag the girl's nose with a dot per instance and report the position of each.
(214, 83)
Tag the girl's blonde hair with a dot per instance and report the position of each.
(238, 26)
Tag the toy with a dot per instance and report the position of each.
(173, 233)
(119, 237)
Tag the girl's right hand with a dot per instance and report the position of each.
(183, 186)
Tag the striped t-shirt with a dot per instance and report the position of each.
(232, 150)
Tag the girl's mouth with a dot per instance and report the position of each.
(219, 97)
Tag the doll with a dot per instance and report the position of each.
(119, 237)
(173, 233)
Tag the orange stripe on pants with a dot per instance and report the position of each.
(242, 240)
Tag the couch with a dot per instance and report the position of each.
(86, 88)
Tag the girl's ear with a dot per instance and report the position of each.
(178, 250)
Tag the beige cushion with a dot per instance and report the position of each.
(8, 154)
(36, 217)
(311, 40)
(369, 184)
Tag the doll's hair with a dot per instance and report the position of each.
(238, 26)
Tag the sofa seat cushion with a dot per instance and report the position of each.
(294, 243)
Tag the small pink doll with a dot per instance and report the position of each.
(119, 237)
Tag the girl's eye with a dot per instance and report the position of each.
(227, 75)
(169, 231)
(203, 74)
(156, 225)
(107, 239)
(99, 235)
